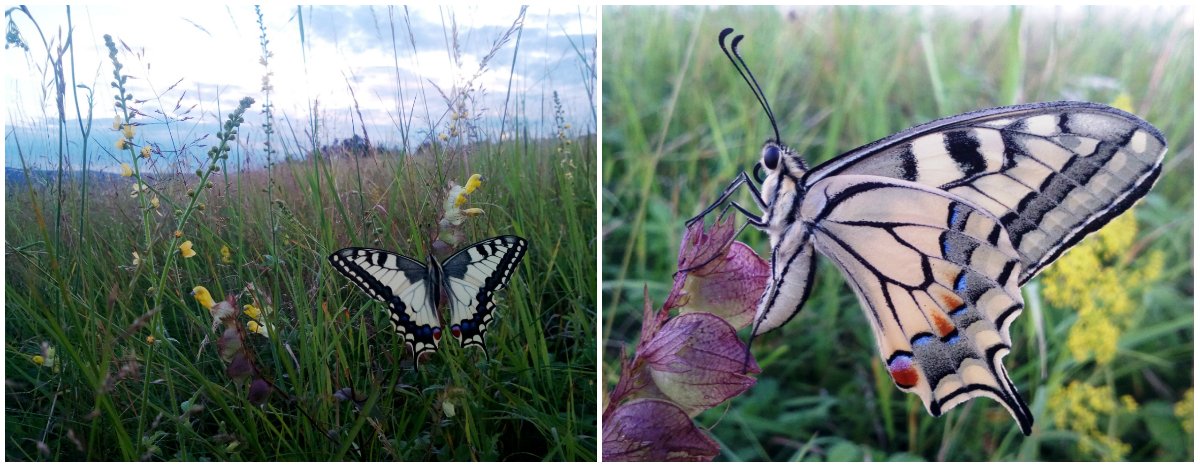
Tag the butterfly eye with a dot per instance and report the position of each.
(759, 175)
(770, 157)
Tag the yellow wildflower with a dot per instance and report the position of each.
(121, 144)
(219, 310)
(442, 136)
(1124, 102)
(126, 171)
(47, 358)
(186, 249)
(251, 311)
(138, 188)
(1094, 279)
(1129, 403)
(146, 151)
(150, 339)
(203, 297)
(178, 233)
(1184, 410)
(127, 130)
(460, 200)
(254, 327)
(1078, 408)
(226, 255)
(472, 183)
(473, 211)
(154, 202)
(137, 260)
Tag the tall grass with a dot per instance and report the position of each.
(111, 359)
(679, 123)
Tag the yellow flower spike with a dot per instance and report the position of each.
(251, 311)
(473, 183)
(126, 171)
(127, 130)
(473, 211)
(146, 151)
(121, 144)
(186, 249)
(39, 360)
(226, 255)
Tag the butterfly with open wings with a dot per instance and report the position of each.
(937, 227)
(412, 290)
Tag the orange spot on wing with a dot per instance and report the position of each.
(948, 300)
(943, 323)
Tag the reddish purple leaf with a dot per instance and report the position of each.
(655, 430)
(698, 361)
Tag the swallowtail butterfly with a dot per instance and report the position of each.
(412, 290)
(937, 227)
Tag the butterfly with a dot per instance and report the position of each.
(937, 227)
(412, 290)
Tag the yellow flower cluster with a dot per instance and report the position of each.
(1095, 280)
(1079, 407)
(1185, 410)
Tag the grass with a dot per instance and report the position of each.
(679, 123)
(132, 369)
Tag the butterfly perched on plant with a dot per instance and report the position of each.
(937, 227)
(412, 291)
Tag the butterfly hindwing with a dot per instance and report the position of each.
(473, 276)
(937, 279)
(403, 284)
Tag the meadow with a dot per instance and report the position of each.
(1103, 352)
(109, 356)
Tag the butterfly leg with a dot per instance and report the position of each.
(741, 179)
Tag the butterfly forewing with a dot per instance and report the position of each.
(1051, 172)
(400, 282)
(474, 274)
(937, 279)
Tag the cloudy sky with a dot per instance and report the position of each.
(206, 58)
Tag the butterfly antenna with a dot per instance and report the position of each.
(740, 64)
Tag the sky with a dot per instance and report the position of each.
(197, 62)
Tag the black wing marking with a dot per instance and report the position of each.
(473, 275)
(400, 282)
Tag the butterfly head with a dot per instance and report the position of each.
(776, 164)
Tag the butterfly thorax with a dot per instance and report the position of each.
(438, 287)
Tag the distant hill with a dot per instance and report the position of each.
(16, 177)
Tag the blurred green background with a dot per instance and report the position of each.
(1113, 379)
